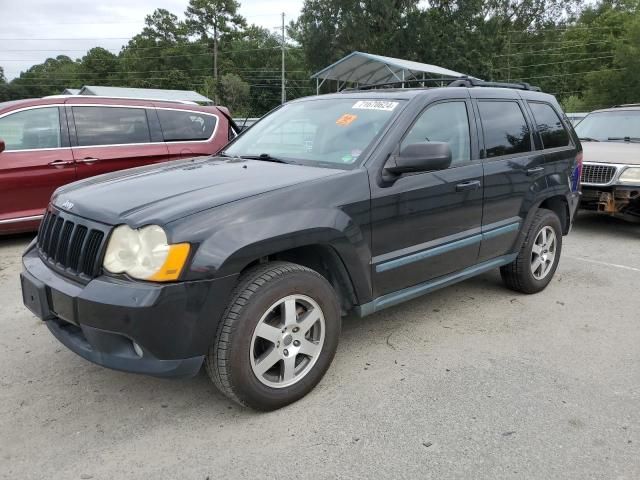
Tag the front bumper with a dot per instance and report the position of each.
(172, 324)
(616, 200)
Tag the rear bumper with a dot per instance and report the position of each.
(107, 320)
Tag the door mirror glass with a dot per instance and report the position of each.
(2, 145)
(421, 157)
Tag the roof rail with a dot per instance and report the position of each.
(468, 82)
(401, 82)
(627, 105)
(474, 82)
(89, 97)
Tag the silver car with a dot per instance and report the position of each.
(611, 170)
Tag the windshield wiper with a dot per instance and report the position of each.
(626, 139)
(265, 157)
(588, 139)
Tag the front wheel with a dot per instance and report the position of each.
(277, 338)
(539, 255)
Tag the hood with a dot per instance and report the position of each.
(611, 152)
(159, 194)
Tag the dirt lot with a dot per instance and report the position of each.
(470, 382)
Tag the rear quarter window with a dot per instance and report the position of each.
(549, 125)
(505, 129)
(181, 126)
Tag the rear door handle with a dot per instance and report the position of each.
(470, 185)
(89, 160)
(60, 163)
(535, 170)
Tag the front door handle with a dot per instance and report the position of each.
(535, 170)
(89, 160)
(470, 185)
(60, 163)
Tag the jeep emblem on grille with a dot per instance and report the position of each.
(67, 205)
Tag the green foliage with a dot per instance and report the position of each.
(586, 53)
(234, 92)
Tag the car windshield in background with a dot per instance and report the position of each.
(620, 126)
(332, 131)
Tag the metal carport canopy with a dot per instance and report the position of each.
(368, 69)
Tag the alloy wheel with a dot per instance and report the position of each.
(543, 253)
(287, 341)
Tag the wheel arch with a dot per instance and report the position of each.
(324, 259)
(556, 203)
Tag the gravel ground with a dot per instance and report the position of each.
(473, 381)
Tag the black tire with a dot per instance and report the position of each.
(518, 275)
(228, 361)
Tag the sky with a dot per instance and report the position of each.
(34, 30)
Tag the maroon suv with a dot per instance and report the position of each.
(48, 142)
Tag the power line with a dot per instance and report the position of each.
(577, 45)
(574, 73)
(559, 63)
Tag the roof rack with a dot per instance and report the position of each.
(450, 81)
(89, 97)
(474, 82)
(627, 105)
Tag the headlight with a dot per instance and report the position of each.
(631, 175)
(145, 254)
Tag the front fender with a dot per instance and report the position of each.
(230, 249)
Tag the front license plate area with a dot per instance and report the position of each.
(34, 296)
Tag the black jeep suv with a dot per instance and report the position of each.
(349, 202)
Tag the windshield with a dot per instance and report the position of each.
(610, 126)
(315, 132)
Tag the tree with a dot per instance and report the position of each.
(234, 92)
(98, 66)
(161, 56)
(211, 19)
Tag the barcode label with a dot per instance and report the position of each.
(375, 105)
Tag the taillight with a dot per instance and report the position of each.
(577, 172)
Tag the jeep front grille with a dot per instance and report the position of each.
(598, 174)
(71, 244)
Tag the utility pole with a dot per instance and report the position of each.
(284, 91)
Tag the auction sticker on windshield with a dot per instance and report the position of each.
(346, 119)
(375, 105)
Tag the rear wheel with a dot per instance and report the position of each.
(277, 338)
(539, 255)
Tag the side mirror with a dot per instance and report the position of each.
(2, 145)
(420, 157)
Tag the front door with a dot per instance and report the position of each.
(427, 225)
(37, 160)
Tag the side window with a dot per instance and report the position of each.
(505, 130)
(444, 122)
(183, 126)
(110, 125)
(549, 125)
(35, 128)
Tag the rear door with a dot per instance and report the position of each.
(106, 138)
(36, 161)
(513, 171)
(189, 133)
